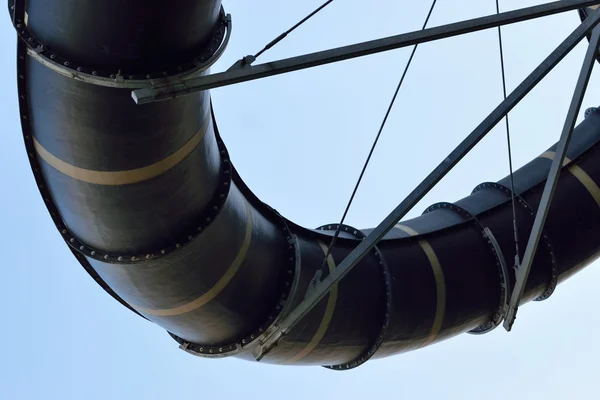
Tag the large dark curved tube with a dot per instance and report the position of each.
(148, 201)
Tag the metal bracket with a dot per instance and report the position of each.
(120, 79)
(525, 267)
(243, 63)
(505, 287)
(549, 247)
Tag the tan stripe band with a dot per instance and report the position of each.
(128, 176)
(581, 176)
(440, 284)
(550, 156)
(327, 316)
(221, 283)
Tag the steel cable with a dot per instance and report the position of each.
(510, 166)
(293, 28)
(389, 109)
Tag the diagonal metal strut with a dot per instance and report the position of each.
(364, 247)
(246, 73)
(540, 218)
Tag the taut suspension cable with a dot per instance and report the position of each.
(251, 59)
(385, 118)
(510, 166)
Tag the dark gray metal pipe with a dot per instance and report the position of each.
(150, 204)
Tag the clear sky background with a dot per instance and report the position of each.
(299, 141)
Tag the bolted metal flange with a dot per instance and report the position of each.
(554, 265)
(488, 236)
(378, 340)
(287, 287)
(118, 78)
(39, 179)
(210, 213)
(589, 111)
(212, 210)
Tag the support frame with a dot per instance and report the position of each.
(362, 249)
(523, 269)
(243, 71)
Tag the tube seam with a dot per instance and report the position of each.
(287, 287)
(498, 315)
(119, 79)
(212, 210)
(210, 213)
(218, 286)
(376, 343)
(325, 319)
(40, 183)
(554, 265)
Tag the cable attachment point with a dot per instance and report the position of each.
(505, 286)
(248, 60)
(242, 63)
(554, 172)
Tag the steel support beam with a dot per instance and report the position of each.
(360, 251)
(243, 72)
(524, 268)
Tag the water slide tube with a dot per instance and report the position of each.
(152, 207)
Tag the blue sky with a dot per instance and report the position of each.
(63, 337)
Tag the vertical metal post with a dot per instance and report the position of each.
(550, 186)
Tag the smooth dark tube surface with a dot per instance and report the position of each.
(138, 35)
(150, 204)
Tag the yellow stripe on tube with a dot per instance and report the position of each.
(327, 315)
(580, 174)
(114, 178)
(440, 284)
(221, 283)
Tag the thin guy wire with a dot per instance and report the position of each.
(337, 232)
(510, 166)
(284, 34)
(512, 186)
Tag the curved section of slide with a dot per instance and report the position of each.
(150, 204)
